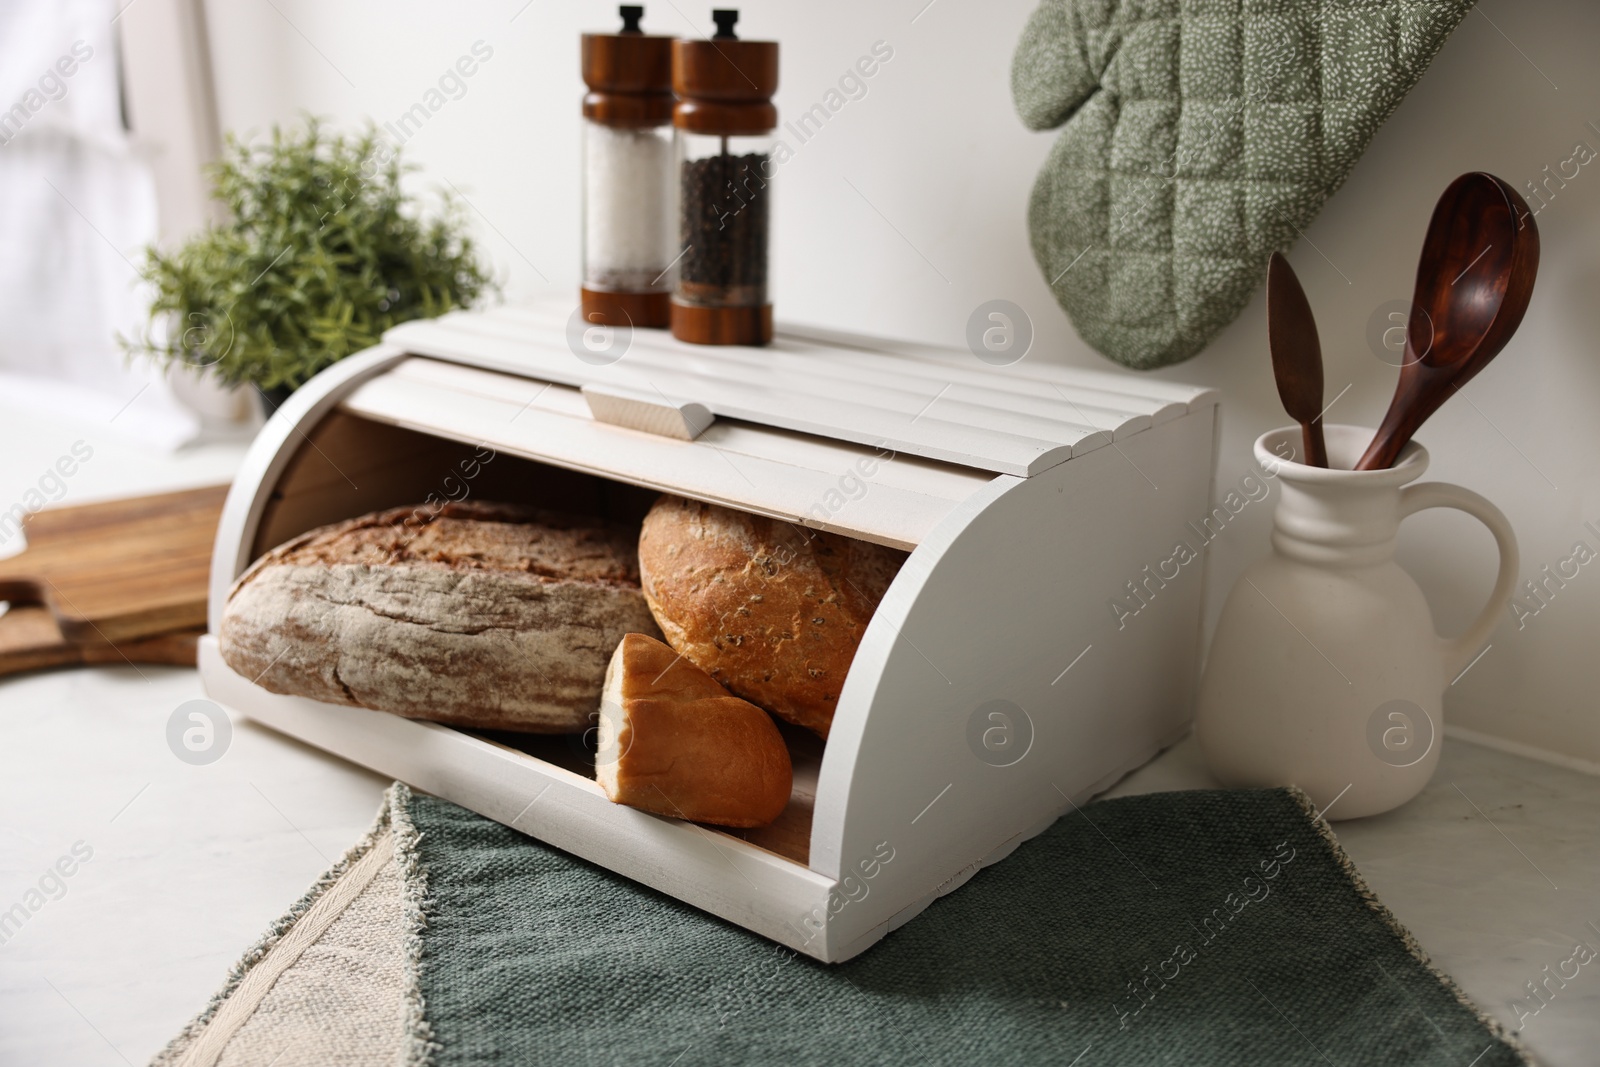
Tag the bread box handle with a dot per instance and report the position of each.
(649, 412)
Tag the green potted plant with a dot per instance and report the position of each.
(321, 253)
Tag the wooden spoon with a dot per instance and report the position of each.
(1474, 280)
(1296, 355)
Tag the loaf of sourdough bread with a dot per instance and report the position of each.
(484, 615)
(772, 610)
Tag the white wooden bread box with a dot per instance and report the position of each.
(996, 686)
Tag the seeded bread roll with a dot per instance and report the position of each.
(485, 615)
(674, 742)
(769, 609)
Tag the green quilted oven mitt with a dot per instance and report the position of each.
(1197, 137)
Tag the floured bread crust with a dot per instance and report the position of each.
(486, 615)
(769, 609)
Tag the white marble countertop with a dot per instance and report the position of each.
(1493, 868)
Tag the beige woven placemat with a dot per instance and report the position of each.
(331, 983)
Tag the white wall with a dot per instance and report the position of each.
(935, 224)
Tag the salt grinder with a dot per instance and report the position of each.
(723, 125)
(629, 223)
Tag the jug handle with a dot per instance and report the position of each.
(1457, 652)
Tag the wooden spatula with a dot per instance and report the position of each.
(1474, 281)
(1296, 355)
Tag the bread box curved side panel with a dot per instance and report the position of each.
(999, 685)
(269, 455)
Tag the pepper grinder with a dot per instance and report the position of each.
(723, 125)
(628, 211)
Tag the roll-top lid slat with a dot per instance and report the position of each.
(915, 404)
(876, 495)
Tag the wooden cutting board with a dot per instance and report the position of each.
(117, 571)
(30, 640)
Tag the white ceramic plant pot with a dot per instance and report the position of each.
(1325, 670)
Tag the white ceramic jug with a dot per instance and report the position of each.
(1325, 670)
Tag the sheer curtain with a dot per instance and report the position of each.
(77, 205)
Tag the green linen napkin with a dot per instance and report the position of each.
(1175, 928)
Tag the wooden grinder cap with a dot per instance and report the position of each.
(629, 75)
(725, 85)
